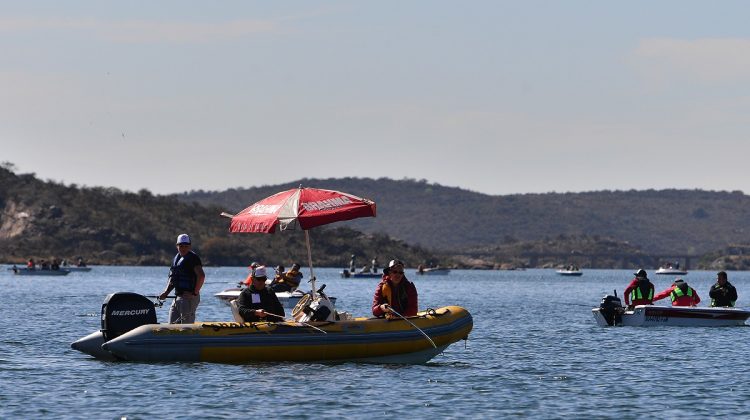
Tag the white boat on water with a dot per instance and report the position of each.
(434, 271)
(23, 271)
(671, 269)
(611, 313)
(569, 272)
(288, 299)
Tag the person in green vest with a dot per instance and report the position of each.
(680, 293)
(722, 293)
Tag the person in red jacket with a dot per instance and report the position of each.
(394, 291)
(640, 291)
(680, 293)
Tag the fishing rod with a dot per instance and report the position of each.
(390, 308)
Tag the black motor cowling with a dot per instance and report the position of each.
(124, 311)
(611, 309)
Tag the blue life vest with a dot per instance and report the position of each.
(181, 276)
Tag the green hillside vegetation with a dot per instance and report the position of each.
(46, 219)
(680, 222)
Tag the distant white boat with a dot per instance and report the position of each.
(570, 272)
(435, 271)
(671, 269)
(288, 299)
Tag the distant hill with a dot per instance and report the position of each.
(48, 220)
(437, 217)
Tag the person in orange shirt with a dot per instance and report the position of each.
(680, 293)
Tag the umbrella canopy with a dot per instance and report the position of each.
(302, 208)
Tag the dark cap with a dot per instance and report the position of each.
(641, 273)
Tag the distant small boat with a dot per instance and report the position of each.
(359, 275)
(23, 271)
(570, 272)
(672, 270)
(434, 271)
(288, 299)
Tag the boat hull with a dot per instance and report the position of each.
(678, 316)
(670, 272)
(434, 271)
(374, 340)
(23, 271)
(570, 273)
(346, 274)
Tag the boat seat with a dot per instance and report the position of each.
(236, 311)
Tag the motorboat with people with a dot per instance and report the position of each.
(611, 312)
(671, 269)
(316, 333)
(288, 299)
(570, 270)
(25, 271)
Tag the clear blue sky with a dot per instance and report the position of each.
(498, 97)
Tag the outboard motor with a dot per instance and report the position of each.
(124, 311)
(320, 309)
(611, 309)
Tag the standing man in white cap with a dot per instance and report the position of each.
(186, 276)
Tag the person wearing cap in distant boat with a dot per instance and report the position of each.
(259, 303)
(249, 279)
(722, 293)
(640, 291)
(680, 293)
(186, 277)
(394, 291)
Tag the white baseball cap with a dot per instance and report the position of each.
(183, 239)
(259, 272)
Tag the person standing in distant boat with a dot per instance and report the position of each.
(640, 291)
(722, 293)
(352, 264)
(186, 277)
(31, 265)
(394, 291)
(680, 293)
(375, 265)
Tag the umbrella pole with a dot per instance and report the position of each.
(309, 262)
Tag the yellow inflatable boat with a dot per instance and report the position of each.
(415, 339)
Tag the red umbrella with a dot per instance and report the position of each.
(303, 208)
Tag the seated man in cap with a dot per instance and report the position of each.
(289, 281)
(258, 303)
(186, 276)
(680, 293)
(640, 291)
(395, 294)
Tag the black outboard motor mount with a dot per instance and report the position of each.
(124, 311)
(611, 309)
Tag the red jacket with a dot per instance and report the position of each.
(403, 298)
(645, 300)
(684, 300)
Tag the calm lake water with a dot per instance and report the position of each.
(535, 351)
